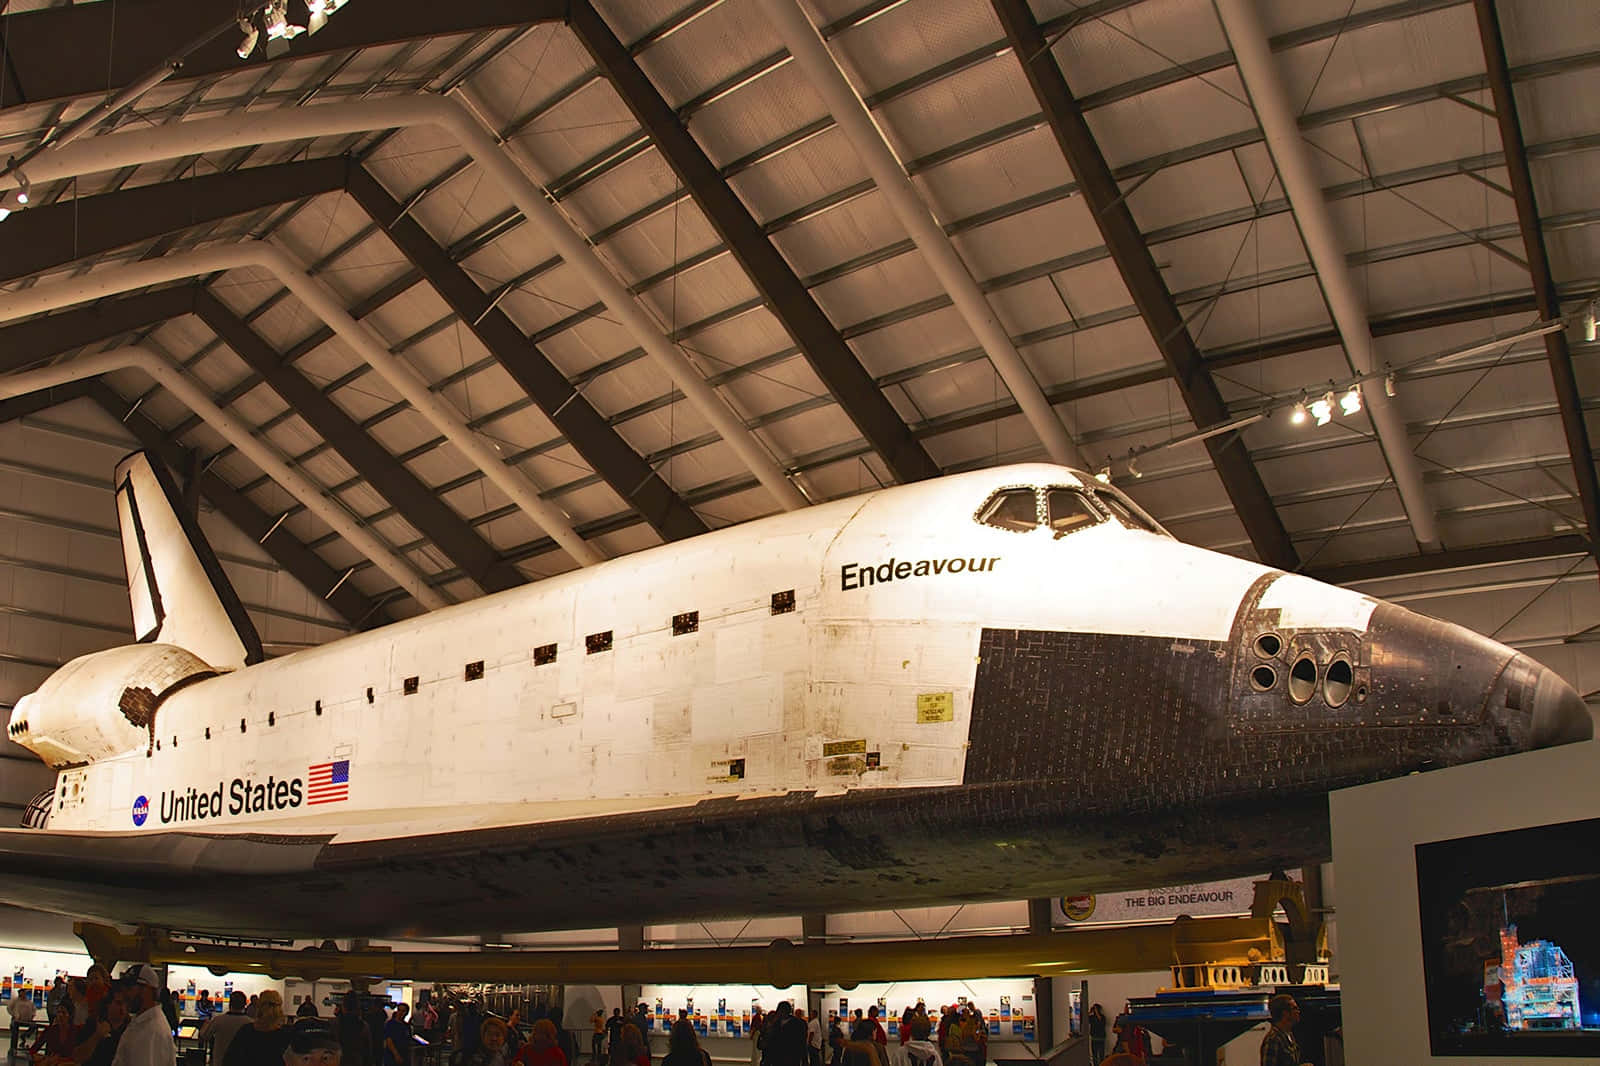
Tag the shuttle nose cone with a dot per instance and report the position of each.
(1559, 714)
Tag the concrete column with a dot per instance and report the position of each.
(1044, 1007)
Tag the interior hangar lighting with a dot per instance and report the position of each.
(1104, 476)
(1388, 384)
(24, 188)
(279, 21)
(1589, 320)
(1299, 415)
(252, 37)
(1350, 402)
(1322, 408)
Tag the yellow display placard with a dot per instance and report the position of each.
(844, 747)
(936, 707)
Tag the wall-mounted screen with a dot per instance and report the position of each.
(1511, 941)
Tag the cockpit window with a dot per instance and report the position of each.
(1016, 510)
(1126, 511)
(1070, 511)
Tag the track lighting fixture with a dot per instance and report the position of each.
(1589, 320)
(1299, 415)
(1133, 466)
(1322, 408)
(252, 37)
(1388, 383)
(1350, 402)
(24, 188)
(1104, 476)
(271, 22)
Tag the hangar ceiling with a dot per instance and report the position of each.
(1102, 169)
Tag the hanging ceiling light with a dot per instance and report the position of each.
(1388, 384)
(1133, 466)
(252, 37)
(1322, 409)
(1299, 415)
(1104, 476)
(1350, 402)
(24, 188)
(1589, 320)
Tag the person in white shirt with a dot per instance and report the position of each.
(814, 1037)
(22, 1013)
(148, 1039)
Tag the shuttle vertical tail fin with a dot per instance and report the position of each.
(175, 583)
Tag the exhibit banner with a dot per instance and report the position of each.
(1208, 899)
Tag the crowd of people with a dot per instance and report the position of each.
(95, 1021)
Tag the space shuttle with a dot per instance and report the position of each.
(1004, 684)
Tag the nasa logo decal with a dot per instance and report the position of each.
(141, 810)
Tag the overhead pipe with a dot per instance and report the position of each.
(809, 50)
(135, 147)
(322, 302)
(241, 436)
(1251, 51)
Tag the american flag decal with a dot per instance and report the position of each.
(329, 782)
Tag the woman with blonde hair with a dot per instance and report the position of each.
(262, 1042)
(629, 1049)
(543, 1046)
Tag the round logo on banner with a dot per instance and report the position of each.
(141, 810)
(1077, 908)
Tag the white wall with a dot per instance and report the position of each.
(1375, 831)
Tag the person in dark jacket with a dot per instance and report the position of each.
(355, 1039)
(261, 1043)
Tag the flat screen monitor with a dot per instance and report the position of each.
(1511, 941)
(188, 1030)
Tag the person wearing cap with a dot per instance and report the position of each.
(148, 1039)
(312, 1042)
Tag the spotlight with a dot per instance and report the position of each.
(1299, 415)
(1133, 467)
(10, 202)
(5, 213)
(252, 37)
(1322, 409)
(1104, 476)
(279, 28)
(1589, 322)
(24, 188)
(1350, 402)
(1388, 384)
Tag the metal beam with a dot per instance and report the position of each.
(1150, 294)
(601, 446)
(25, 343)
(298, 560)
(33, 403)
(84, 49)
(415, 502)
(1454, 559)
(782, 289)
(1544, 287)
(42, 238)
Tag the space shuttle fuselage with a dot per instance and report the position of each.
(1019, 652)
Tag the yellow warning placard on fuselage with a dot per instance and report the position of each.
(936, 707)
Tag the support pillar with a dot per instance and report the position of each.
(1044, 1005)
(630, 938)
(814, 930)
